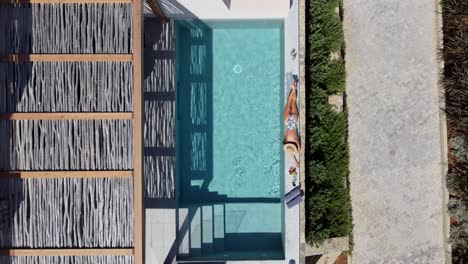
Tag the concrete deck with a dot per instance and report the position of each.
(397, 180)
(227, 9)
(291, 67)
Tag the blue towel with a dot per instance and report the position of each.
(295, 201)
(292, 194)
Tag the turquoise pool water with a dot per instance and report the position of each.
(229, 135)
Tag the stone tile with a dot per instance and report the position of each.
(394, 131)
(160, 234)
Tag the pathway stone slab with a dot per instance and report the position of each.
(397, 187)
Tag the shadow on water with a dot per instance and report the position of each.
(195, 106)
(15, 29)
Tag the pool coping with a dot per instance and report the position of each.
(292, 215)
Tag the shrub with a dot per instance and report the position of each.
(328, 202)
(459, 232)
(326, 29)
(459, 148)
(326, 37)
(455, 54)
(335, 78)
(456, 65)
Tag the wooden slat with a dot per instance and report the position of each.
(65, 116)
(68, 252)
(65, 1)
(66, 57)
(138, 131)
(157, 10)
(66, 174)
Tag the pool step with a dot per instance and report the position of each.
(197, 193)
(207, 229)
(196, 232)
(183, 232)
(219, 230)
(204, 233)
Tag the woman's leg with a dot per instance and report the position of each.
(287, 108)
(293, 105)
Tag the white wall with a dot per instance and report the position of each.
(217, 9)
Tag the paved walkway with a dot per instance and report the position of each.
(394, 128)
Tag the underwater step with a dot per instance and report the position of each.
(195, 231)
(183, 232)
(207, 229)
(218, 213)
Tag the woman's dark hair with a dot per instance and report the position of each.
(286, 142)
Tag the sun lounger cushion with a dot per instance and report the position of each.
(292, 194)
(295, 201)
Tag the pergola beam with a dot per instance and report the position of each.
(65, 57)
(66, 116)
(65, 1)
(138, 131)
(65, 174)
(157, 10)
(68, 252)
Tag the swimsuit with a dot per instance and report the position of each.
(291, 123)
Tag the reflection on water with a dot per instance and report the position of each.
(198, 104)
(198, 155)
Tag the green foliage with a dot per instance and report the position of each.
(459, 232)
(326, 36)
(328, 201)
(335, 78)
(456, 65)
(326, 30)
(455, 54)
(457, 183)
(459, 148)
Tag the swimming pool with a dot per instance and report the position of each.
(229, 139)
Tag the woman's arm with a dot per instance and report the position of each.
(296, 162)
(298, 144)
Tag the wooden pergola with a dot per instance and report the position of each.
(136, 116)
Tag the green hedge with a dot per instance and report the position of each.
(328, 201)
(455, 52)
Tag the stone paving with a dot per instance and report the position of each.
(397, 187)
